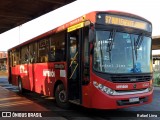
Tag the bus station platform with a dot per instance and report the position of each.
(29, 105)
(11, 100)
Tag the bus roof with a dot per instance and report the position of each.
(89, 16)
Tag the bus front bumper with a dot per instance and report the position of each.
(100, 100)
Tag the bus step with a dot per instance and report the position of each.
(76, 101)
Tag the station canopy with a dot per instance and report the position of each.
(16, 12)
(155, 42)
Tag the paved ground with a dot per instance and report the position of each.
(11, 100)
(3, 73)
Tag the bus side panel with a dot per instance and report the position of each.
(14, 75)
(86, 89)
(86, 96)
(28, 74)
(42, 77)
(31, 82)
(23, 72)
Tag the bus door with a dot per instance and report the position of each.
(74, 63)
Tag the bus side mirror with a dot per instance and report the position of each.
(91, 35)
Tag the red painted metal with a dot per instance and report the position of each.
(39, 77)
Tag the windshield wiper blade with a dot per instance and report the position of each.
(110, 43)
(137, 43)
(111, 40)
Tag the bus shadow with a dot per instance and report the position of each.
(74, 110)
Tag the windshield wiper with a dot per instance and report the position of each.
(110, 43)
(137, 43)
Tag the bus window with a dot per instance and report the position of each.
(17, 57)
(52, 50)
(24, 55)
(13, 57)
(33, 52)
(43, 50)
(57, 47)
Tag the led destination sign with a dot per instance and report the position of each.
(124, 21)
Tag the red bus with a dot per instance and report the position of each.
(100, 60)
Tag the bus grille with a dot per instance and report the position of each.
(131, 78)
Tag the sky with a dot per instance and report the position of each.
(148, 9)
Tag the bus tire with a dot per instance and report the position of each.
(61, 97)
(20, 87)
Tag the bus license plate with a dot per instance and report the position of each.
(134, 100)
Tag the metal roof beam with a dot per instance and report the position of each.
(2, 27)
(61, 2)
(14, 17)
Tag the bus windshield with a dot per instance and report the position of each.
(118, 52)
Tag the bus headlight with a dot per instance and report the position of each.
(111, 92)
(103, 88)
(100, 86)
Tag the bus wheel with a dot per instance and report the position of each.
(20, 85)
(61, 97)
